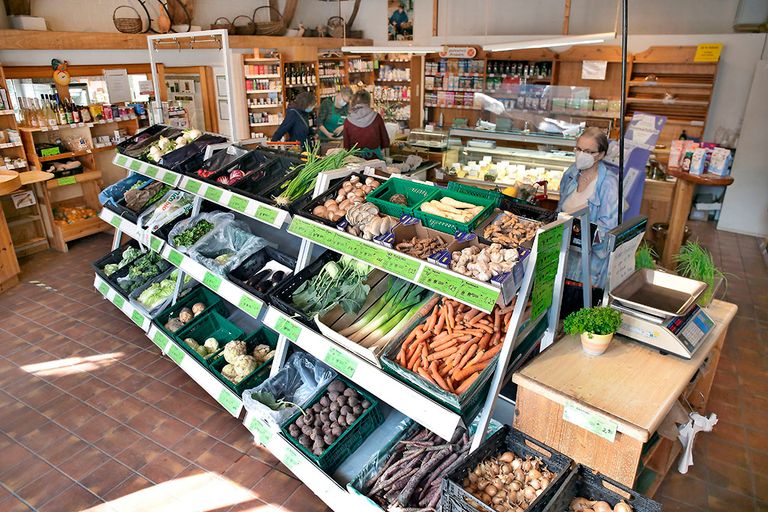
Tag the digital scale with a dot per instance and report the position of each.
(659, 310)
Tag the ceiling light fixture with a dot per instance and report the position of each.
(550, 43)
(391, 49)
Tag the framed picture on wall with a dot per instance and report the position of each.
(400, 20)
(223, 109)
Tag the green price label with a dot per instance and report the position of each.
(265, 214)
(103, 288)
(547, 260)
(290, 458)
(238, 203)
(152, 171)
(115, 221)
(169, 178)
(155, 243)
(341, 362)
(175, 257)
(137, 318)
(192, 186)
(260, 429)
(250, 305)
(68, 180)
(119, 301)
(463, 289)
(288, 329)
(135, 165)
(212, 281)
(213, 193)
(593, 422)
(229, 402)
(176, 354)
(160, 339)
(121, 160)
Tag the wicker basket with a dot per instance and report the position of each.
(244, 30)
(127, 25)
(269, 28)
(336, 26)
(227, 25)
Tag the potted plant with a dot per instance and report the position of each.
(596, 327)
(695, 262)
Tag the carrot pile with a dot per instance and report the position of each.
(454, 344)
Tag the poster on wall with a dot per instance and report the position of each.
(400, 20)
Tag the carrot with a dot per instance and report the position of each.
(443, 339)
(471, 314)
(423, 337)
(464, 360)
(444, 370)
(424, 355)
(436, 375)
(443, 353)
(467, 383)
(413, 348)
(485, 328)
(452, 342)
(450, 316)
(411, 336)
(496, 320)
(432, 319)
(414, 357)
(469, 370)
(490, 353)
(484, 341)
(424, 373)
(459, 354)
(507, 318)
(440, 321)
(496, 339)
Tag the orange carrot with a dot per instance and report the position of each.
(432, 319)
(496, 339)
(485, 328)
(424, 373)
(443, 353)
(469, 370)
(507, 318)
(471, 314)
(424, 355)
(423, 337)
(440, 321)
(467, 356)
(450, 316)
(490, 353)
(485, 340)
(436, 375)
(467, 383)
(453, 341)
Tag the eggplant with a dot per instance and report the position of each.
(277, 277)
(258, 278)
(264, 286)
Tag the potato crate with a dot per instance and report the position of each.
(452, 226)
(211, 325)
(582, 482)
(456, 499)
(415, 193)
(306, 207)
(349, 440)
(199, 294)
(257, 376)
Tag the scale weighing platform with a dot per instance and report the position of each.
(659, 310)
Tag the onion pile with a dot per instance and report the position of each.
(507, 483)
(352, 191)
(585, 505)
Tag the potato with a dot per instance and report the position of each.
(350, 392)
(324, 401)
(329, 203)
(366, 404)
(345, 410)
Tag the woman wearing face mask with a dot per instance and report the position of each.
(589, 183)
(296, 126)
(333, 112)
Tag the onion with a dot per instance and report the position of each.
(507, 457)
(516, 486)
(622, 507)
(579, 504)
(353, 179)
(601, 506)
(534, 474)
(491, 490)
(329, 203)
(544, 481)
(527, 466)
(519, 475)
(516, 464)
(535, 484)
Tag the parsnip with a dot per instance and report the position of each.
(456, 204)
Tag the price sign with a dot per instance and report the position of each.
(135, 165)
(213, 193)
(121, 160)
(547, 260)
(137, 318)
(290, 458)
(238, 203)
(250, 305)
(103, 288)
(192, 186)
(115, 221)
(261, 430)
(175, 257)
(155, 243)
(465, 290)
(119, 301)
(341, 362)
(212, 281)
(160, 339)
(288, 329)
(229, 401)
(176, 354)
(266, 214)
(593, 422)
(67, 180)
(152, 171)
(169, 178)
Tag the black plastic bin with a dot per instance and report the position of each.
(190, 156)
(255, 263)
(266, 187)
(220, 159)
(248, 163)
(281, 294)
(113, 257)
(138, 145)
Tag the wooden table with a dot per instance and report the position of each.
(681, 207)
(630, 386)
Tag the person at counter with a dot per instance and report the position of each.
(296, 125)
(333, 112)
(588, 182)
(364, 128)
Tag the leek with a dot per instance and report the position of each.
(392, 308)
(393, 288)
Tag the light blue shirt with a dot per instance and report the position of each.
(603, 211)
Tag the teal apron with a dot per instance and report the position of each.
(334, 121)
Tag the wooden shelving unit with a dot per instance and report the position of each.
(260, 101)
(393, 91)
(332, 75)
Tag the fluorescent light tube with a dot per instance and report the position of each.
(391, 49)
(550, 43)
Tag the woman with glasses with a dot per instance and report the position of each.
(589, 183)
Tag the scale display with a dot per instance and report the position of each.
(692, 328)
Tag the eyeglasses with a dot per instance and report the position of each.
(587, 151)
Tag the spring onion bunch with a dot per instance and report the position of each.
(305, 180)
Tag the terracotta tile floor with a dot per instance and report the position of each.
(92, 419)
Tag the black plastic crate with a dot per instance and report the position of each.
(584, 483)
(140, 137)
(456, 499)
(113, 257)
(249, 163)
(220, 159)
(281, 294)
(253, 265)
(309, 204)
(265, 188)
(140, 148)
(120, 208)
(190, 156)
(527, 210)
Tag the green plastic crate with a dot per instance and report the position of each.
(415, 193)
(452, 226)
(349, 440)
(257, 376)
(483, 193)
(211, 325)
(200, 294)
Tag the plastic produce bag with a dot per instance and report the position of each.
(116, 191)
(174, 204)
(297, 382)
(216, 218)
(226, 246)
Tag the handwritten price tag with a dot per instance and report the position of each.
(137, 318)
(68, 180)
(250, 305)
(212, 281)
(119, 301)
(288, 329)
(593, 422)
(341, 362)
(238, 203)
(261, 430)
(290, 458)
(192, 186)
(135, 165)
(160, 339)
(155, 244)
(229, 401)
(176, 354)
(265, 214)
(213, 194)
(175, 257)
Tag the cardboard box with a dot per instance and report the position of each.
(28, 22)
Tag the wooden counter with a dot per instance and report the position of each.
(630, 386)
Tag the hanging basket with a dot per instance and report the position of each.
(127, 25)
(269, 28)
(336, 26)
(244, 30)
(223, 23)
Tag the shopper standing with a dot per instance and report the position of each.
(588, 182)
(364, 128)
(296, 125)
(333, 112)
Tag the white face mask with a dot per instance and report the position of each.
(584, 161)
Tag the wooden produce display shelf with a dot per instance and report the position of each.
(85, 227)
(71, 180)
(62, 156)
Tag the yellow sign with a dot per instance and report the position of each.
(708, 52)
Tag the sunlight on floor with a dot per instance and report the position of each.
(204, 492)
(72, 365)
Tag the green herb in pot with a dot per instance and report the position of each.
(695, 262)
